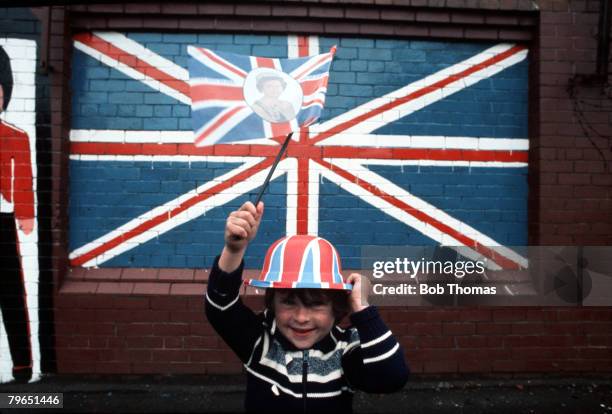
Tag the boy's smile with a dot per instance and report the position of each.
(302, 325)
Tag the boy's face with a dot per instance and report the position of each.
(302, 325)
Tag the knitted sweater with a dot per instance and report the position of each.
(282, 378)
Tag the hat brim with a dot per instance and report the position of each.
(297, 285)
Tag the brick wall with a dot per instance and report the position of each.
(130, 321)
(572, 150)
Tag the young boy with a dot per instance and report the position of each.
(296, 357)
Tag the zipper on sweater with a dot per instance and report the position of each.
(304, 378)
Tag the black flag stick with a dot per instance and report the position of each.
(278, 157)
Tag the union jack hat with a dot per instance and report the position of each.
(301, 261)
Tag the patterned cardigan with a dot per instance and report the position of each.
(282, 378)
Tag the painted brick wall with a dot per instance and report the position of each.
(128, 320)
(111, 191)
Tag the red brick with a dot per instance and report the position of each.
(474, 365)
(134, 329)
(166, 355)
(401, 15)
(193, 289)
(253, 10)
(138, 274)
(173, 342)
(168, 303)
(458, 328)
(376, 29)
(179, 8)
(105, 8)
(423, 329)
(325, 12)
(143, 8)
(440, 366)
(508, 315)
(447, 32)
(74, 287)
(176, 274)
(201, 342)
(127, 302)
(467, 18)
(123, 22)
(362, 13)
(206, 356)
(196, 23)
(187, 316)
(170, 329)
(479, 341)
(493, 328)
(433, 16)
(435, 342)
(123, 367)
(215, 9)
(290, 10)
(151, 288)
(201, 329)
(121, 288)
(509, 366)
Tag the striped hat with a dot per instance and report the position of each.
(301, 261)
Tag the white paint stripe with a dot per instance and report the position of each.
(377, 340)
(292, 193)
(425, 142)
(161, 158)
(222, 308)
(292, 47)
(117, 136)
(387, 186)
(161, 137)
(313, 198)
(133, 73)
(442, 163)
(197, 210)
(381, 357)
(313, 45)
(407, 108)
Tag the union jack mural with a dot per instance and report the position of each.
(420, 143)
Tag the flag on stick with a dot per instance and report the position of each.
(237, 97)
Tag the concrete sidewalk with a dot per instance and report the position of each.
(224, 394)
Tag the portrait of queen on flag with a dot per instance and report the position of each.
(237, 98)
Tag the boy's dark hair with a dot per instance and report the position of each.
(6, 77)
(338, 298)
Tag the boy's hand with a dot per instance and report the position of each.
(241, 226)
(358, 298)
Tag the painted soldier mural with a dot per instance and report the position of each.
(18, 252)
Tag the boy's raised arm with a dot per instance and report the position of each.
(234, 322)
(240, 228)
